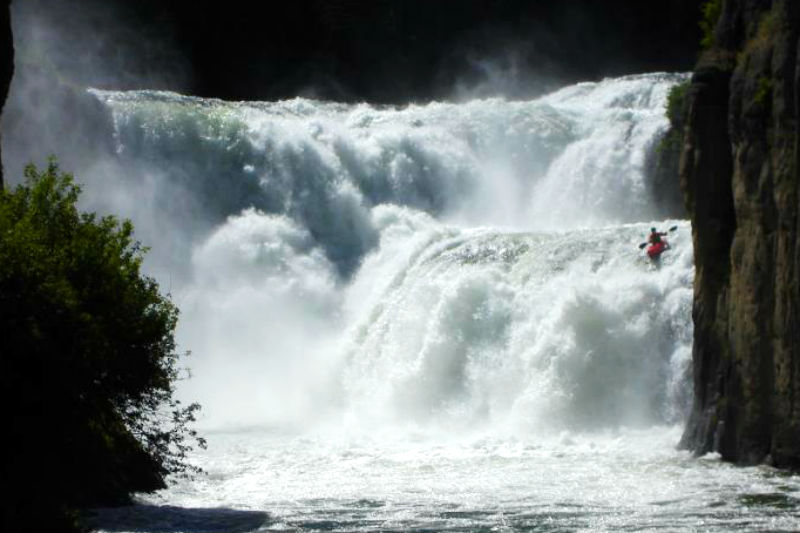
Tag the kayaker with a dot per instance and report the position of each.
(657, 244)
(655, 236)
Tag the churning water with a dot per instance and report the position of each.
(429, 318)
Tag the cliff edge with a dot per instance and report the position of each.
(739, 176)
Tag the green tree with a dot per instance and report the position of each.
(710, 13)
(88, 360)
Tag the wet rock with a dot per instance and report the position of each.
(739, 176)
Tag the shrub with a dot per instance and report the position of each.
(669, 145)
(710, 12)
(88, 361)
(675, 105)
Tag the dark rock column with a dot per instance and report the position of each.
(739, 176)
(705, 170)
(778, 71)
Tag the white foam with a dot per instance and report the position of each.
(378, 261)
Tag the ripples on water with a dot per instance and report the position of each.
(616, 481)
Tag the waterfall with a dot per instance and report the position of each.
(436, 266)
(523, 331)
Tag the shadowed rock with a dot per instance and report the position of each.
(739, 174)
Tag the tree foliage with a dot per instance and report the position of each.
(676, 105)
(675, 111)
(710, 13)
(89, 359)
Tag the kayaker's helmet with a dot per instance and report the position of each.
(652, 230)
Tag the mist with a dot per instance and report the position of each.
(61, 49)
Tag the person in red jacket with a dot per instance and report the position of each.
(657, 244)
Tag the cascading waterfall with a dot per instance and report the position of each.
(529, 332)
(568, 160)
(396, 302)
(299, 208)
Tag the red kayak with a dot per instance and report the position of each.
(655, 250)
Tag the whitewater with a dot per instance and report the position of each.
(434, 317)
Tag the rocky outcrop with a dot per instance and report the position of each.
(739, 175)
(662, 159)
(661, 167)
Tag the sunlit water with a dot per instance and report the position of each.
(430, 318)
(626, 480)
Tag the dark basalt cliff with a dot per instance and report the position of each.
(739, 175)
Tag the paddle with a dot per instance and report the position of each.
(673, 228)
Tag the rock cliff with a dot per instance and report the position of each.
(739, 176)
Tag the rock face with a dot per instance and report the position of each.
(662, 160)
(739, 175)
